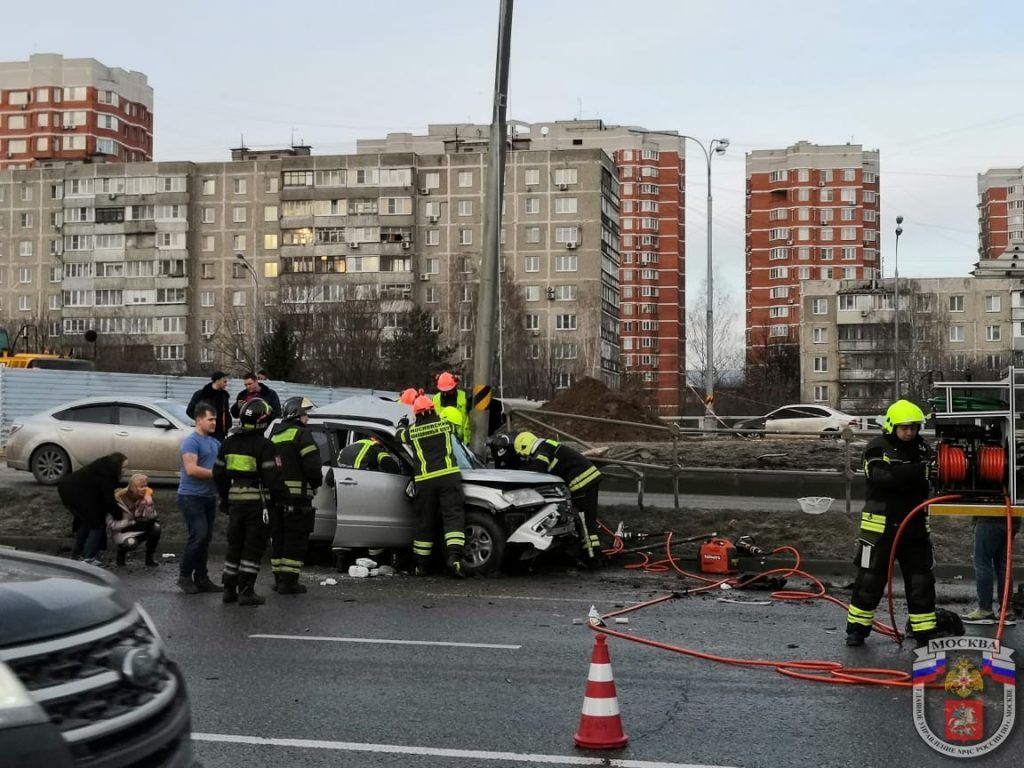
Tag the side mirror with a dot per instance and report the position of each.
(162, 424)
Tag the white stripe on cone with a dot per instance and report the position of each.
(600, 673)
(600, 707)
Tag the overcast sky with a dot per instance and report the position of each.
(934, 85)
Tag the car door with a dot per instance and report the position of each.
(87, 431)
(152, 450)
(780, 420)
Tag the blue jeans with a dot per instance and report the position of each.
(989, 560)
(88, 542)
(199, 512)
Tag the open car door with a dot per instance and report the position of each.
(373, 509)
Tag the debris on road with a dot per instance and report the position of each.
(328, 583)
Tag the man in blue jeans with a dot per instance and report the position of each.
(990, 565)
(197, 500)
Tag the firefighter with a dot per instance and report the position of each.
(369, 453)
(896, 465)
(248, 478)
(438, 487)
(576, 470)
(292, 523)
(452, 405)
(408, 396)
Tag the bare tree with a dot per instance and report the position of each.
(728, 339)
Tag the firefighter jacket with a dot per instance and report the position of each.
(569, 464)
(368, 454)
(248, 471)
(300, 459)
(431, 441)
(454, 407)
(897, 481)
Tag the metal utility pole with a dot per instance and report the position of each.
(255, 308)
(486, 313)
(896, 309)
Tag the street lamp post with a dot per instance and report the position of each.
(896, 307)
(255, 308)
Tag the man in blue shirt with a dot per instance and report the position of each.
(197, 500)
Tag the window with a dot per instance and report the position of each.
(956, 304)
(238, 298)
(819, 335)
(565, 322)
(238, 242)
(826, 234)
(566, 263)
(826, 195)
(848, 195)
(208, 243)
(209, 215)
(780, 292)
(821, 393)
(26, 220)
(531, 264)
(25, 248)
(240, 185)
(532, 322)
(821, 364)
(993, 333)
(564, 235)
(270, 184)
(432, 180)
(777, 331)
(532, 177)
(778, 312)
(566, 205)
(26, 193)
(848, 233)
(956, 333)
(778, 273)
(209, 186)
(25, 274)
(778, 254)
(392, 206)
(781, 175)
(566, 176)
(819, 306)
(532, 235)
(992, 303)
(54, 301)
(206, 299)
(238, 215)
(465, 208)
(780, 233)
(465, 179)
(532, 205)
(465, 237)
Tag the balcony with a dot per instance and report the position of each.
(141, 226)
(865, 345)
(880, 375)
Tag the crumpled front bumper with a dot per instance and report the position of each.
(550, 523)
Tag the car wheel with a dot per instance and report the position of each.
(830, 434)
(50, 464)
(485, 543)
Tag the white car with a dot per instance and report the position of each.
(809, 419)
(147, 430)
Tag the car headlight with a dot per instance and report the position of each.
(16, 705)
(158, 642)
(523, 497)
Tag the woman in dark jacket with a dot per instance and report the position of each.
(88, 493)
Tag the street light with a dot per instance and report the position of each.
(896, 306)
(255, 307)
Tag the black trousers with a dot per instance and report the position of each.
(147, 531)
(585, 500)
(247, 540)
(441, 500)
(915, 559)
(289, 532)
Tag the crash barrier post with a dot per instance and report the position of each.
(600, 721)
(675, 468)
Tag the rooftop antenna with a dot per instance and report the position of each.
(293, 138)
(579, 108)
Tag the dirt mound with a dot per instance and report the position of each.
(589, 397)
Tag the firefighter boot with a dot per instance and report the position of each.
(289, 585)
(422, 566)
(247, 590)
(454, 564)
(230, 588)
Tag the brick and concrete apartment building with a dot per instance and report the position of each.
(812, 214)
(949, 328)
(651, 175)
(54, 109)
(147, 251)
(1000, 212)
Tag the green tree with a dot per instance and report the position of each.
(415, 353)
(280, 352)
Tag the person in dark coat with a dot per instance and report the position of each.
(216, 394)
(254, 388)
(88, 493)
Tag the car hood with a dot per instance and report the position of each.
(43, 597)
(508, 478)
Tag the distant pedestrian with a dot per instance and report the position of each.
(989, 565)
(88, 493)
(197, 500)
(138, 523)
(216, 394)
(254, 388)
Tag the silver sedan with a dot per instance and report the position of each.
(147, 430)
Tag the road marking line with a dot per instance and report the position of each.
(468, 754)
(383, 641)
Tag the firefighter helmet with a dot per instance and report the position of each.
(900, 413)
(408, 396)
(421, 404)
(446, 382)
(294, 407)
(524, 443)
(254, 413)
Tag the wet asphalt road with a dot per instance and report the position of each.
(515, 698)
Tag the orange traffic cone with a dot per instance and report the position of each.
(600, 723)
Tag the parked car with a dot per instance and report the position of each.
(147, 430)
(804, 419)
(84, 676)
(511, 515)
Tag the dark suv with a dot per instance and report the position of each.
(84, 678)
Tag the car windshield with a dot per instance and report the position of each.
(464, 458)
(177, 410)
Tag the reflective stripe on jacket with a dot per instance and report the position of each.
(300, 459)
(568, 463)
(431, 441)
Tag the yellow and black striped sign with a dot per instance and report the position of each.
(481, 396)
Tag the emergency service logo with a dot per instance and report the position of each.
(970, 682)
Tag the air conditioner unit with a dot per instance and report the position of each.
(10, 155)
(563, 187)
(433, 219)
(424, 276)
(864, 313)
(536, 333)
(406, 246)
(112, 196)
(424, 190)
(68, 127)
(571, 246)
(207, 336)
(24, 106)
(353, 245)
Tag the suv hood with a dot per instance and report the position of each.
(509, 478)
(43, 597)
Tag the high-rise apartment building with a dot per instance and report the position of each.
(148, 252)
(1000, 212)
(651, 177)
(812, 214)
(55, 110)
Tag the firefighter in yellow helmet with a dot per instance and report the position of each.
(576, 470)
(896, 465)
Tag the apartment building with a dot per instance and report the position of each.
(1000, 212)
(949, 328)
(149, 251)
(812, 214)
(651, 183)
(55, 110)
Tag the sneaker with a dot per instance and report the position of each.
(186, 585)
(979, 616)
